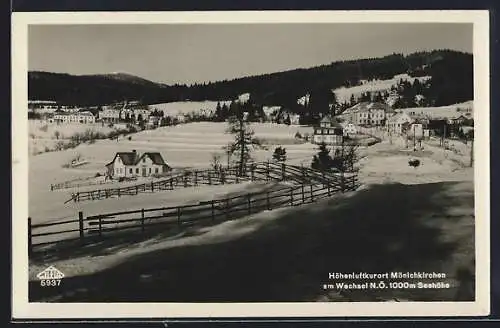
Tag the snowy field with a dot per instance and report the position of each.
(42, 135)
(188, 145)
(192, 145)
(413, 206)
(344, 94)
(185, 107)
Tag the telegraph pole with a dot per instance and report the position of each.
(414, 141)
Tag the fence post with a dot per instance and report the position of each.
(283, 176)
(118, 192)
(179, 216)
(249, 204)
(291, 196)
(267, 171)
(342, 182)
(213, 211)
(80, 225)
(136, 190)
(237, 179)
(100, 226)
(312, 195)
(268, 201)
(185, 181)
(152, 186)
(30, 239)
(252, 172)
(171, 184)
(195, 178)
(142, 220)
(303, 195)
(209, 178)
(51, 187)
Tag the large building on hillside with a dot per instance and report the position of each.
(367, 114)
(131, 164)
(84, 117)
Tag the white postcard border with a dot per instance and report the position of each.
(25, 310)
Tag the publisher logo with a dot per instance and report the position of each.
(50, 277)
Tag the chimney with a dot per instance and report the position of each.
(133, 150)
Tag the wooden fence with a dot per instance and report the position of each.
(257, 171)
(179, 217)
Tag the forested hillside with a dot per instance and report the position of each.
(451, 82)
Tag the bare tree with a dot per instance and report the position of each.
(216, 162)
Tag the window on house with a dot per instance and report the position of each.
(130, 171)
(156, 170)
(144, 160)
(149, 170)
(137, 170)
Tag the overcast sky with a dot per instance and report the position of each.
(195, 53)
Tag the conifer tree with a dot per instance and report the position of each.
(244, 140)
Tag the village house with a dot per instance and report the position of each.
(84, 117)
(181, 118)
(294, 119)
(127, 115)
(350, 129)
(398, 123)
(270, 113)
(141, 114)
(367, 114)
(131, 164)
(110, 115)
(329, 131)
(43, 106)
(153, 122)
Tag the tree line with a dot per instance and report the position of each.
(451, 71)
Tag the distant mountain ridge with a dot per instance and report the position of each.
(451, 72)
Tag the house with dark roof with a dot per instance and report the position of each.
(329, 131)
(132, 164)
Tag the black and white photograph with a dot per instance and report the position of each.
(337, 162)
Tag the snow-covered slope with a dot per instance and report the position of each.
(185, 107)
(344, 94)
(451, 111)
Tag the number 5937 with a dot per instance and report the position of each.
(50, 282)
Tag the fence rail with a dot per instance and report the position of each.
(257, 171)
(211, 211)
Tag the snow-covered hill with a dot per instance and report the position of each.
(344, 94)
(185, 107)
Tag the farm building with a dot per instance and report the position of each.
(329, 131)
(131, 164)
